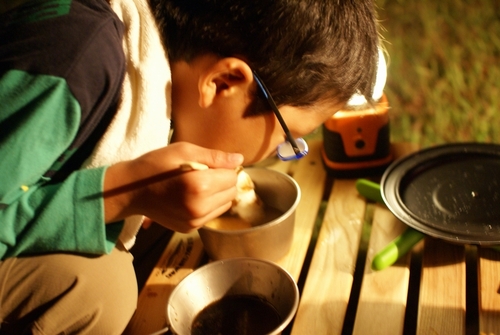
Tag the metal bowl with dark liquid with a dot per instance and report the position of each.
(233, 296)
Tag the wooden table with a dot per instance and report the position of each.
(438, 288)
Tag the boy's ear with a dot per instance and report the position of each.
(227, 77)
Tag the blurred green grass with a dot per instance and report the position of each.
(444, 69)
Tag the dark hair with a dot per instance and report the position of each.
(304, 50)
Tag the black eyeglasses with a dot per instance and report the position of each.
(292, 148)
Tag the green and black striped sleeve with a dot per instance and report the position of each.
(61, 70)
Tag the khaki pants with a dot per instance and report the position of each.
(67, 294)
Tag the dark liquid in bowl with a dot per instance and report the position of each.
(237, 314)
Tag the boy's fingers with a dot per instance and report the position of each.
(146, 223)
(190, 166)
(220, 159)
(210, 157)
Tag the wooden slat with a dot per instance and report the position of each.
(182, 254)
(442, 289)
(382, 301)
(310, 175)
(326, 291)
(489, 291)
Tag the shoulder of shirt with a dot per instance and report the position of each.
(40, 10)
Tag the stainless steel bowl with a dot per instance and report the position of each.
(271, 240)
(236, 276)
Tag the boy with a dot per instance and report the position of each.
(86, 106)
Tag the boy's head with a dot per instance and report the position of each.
(304, 50)
(307, 52)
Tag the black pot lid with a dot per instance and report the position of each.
(450, 192)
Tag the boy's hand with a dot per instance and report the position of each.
(155, 185)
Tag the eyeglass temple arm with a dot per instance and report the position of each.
(271, 102)
(288, 135)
